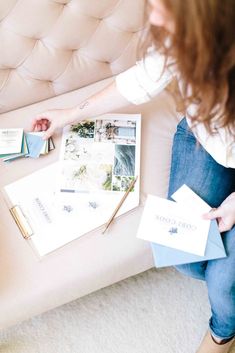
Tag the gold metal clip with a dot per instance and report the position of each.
(21, 221)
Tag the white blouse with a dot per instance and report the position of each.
(146, 79)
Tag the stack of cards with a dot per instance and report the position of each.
(37, 146)
(14, 144)
(177, 232)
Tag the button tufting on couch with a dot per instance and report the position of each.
(71, 37)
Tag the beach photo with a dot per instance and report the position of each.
(115, 131)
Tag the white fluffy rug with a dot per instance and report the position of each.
(159, 311)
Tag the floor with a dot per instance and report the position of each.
(158, 311)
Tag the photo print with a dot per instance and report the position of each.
(115, 131)
(86, 177)
(75, 150)
(84, 129)
(124, 160)
(75, 138)
(122, 183)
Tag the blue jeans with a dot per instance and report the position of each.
(193, 166)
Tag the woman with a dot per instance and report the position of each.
(193, 41)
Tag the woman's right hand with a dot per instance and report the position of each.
(52, 120)
(225, 213)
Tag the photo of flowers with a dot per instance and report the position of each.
(84, 129)
(75, 150)
(86, 177)
(122, 183)
(115, 131)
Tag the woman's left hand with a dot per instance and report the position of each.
(225, 213)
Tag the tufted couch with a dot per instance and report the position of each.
(55, 53)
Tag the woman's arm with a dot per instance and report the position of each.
(102, 102)
(136, 85)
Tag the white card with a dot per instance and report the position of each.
(188, 198)
(10, 141)
(172, 224)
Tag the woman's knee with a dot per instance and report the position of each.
(222, 297)
(220, 274)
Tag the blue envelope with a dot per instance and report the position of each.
(165, 256)
(35, 144)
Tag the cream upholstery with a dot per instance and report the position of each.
(37, 40)
(50, 47)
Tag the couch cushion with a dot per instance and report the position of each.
(29, 285)
(51, 47)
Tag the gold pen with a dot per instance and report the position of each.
(120, 204)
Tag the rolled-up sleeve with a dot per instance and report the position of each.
(145, 79)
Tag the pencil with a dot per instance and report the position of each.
(120, 204)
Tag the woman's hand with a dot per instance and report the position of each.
(52, 120)
(225, 213)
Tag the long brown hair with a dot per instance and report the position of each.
(203, 47)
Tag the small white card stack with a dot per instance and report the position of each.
(11, 141)
(15, 144)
